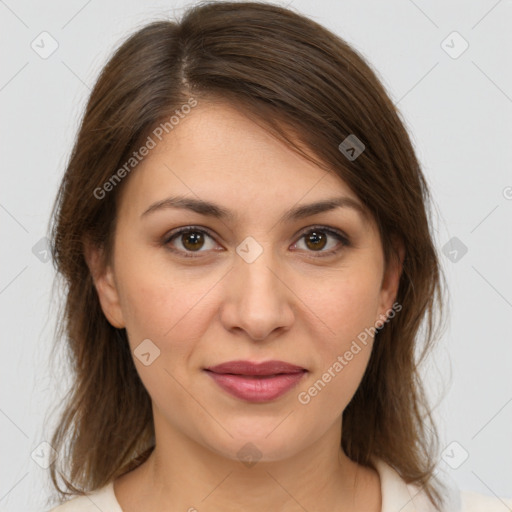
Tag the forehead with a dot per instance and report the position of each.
(218, 152)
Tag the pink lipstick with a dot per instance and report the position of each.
(256, 382)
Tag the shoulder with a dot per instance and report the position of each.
(399, 495)
(475, 502)
(456, 500)
(77, 504)
(102, 499)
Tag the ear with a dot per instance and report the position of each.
(103, 277)
(391, 278)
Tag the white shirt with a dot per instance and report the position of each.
(397, 495)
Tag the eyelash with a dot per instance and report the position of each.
(345, 242)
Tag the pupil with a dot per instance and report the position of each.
(196, 238)
(315, 237)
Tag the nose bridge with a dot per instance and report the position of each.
(256, 276)
(257, 301)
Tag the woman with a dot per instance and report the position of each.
(243, 233)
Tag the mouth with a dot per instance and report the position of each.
(256, 382)
(263, 369)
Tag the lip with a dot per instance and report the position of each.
(256, 382)
(250, 368)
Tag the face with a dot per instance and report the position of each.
(252, 285)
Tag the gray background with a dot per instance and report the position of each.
(457, 108)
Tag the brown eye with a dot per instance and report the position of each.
(189, 240)
(193, 240)
(315, 240)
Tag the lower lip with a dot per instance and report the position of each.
(256, 389)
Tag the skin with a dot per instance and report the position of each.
(290, 304)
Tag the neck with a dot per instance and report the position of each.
(182, 474)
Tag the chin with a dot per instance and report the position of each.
(251, 449)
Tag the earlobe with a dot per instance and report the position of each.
(103, 278)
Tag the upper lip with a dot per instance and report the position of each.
(250, 368)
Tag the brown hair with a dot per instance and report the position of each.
(296, 78)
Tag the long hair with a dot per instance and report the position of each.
(309, 88)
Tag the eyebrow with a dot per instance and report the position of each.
(210, 209)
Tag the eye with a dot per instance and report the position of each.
(191, 239)
(316, 238)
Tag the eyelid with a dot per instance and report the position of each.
(333, 231)
(186, 229)
(175, 233)
(336, 233)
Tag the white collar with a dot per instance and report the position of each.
(399, 496)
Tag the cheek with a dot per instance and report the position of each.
(169, 309)
(340, 363)
(329, 392)
(348, 308)
(347, 304)
(159, 300)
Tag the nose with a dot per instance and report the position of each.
(258, 300)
